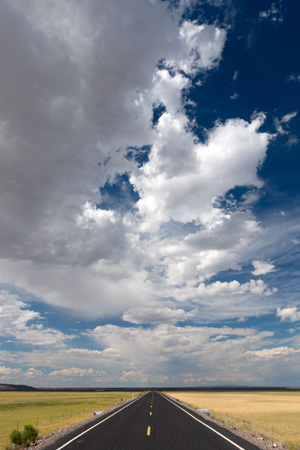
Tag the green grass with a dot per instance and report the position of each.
(51, 411)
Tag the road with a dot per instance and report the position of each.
(151, 422)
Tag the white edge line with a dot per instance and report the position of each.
(198, 420)
(99, 423)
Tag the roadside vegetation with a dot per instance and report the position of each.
(25, 438)
(274, 415)
(51, 411)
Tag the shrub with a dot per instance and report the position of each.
(27, 437)
(16, 437)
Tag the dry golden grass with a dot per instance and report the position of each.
(51, 411)
(274, 415)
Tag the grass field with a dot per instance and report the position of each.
(274, 415)
(51, 411)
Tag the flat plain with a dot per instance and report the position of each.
(51, 411)
(274, 415)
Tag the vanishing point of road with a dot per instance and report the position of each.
(154, 422)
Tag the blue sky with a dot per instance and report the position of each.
(149, 193)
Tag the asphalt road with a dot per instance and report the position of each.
(152, 422)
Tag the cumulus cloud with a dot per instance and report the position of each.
(9, 375)
(183, 184)
(155, 315)
(288, 314)
(16, 321)
(76, 117)
(58, 240)
(271, 353)
(72, 372)
(203, 44)
(234, 288)
(131, 354)
(33, 373)
(262, 268)
(70, 142)
(7, 371)
(181, 349)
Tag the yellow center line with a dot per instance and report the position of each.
(148, 431)
(151, 414)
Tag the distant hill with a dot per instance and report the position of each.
(24, 387)
(16, 387)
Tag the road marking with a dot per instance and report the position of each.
(148, 431)
(151, 414)
(99, 423)
(207, 426)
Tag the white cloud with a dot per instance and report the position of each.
(274, 13)
(58, 245)
(92, 216)
(284, 120)
(82, 289)
(183, 184)
(189, 259)
(288, 314)
(271, 353)
(19, 376)
(61, 245)
(72, 372)
(180, 350)
(7, 371)
(262, 268)
(85, 82)
(234, 288)
(203, 44)
(33, 373)
(132, 355)
(235, 75)
(294, 77)
(292, 140)
(155, 315)
(224, 300)
(235, 96)
(16, 321)
(134, 375)
(288, 117)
